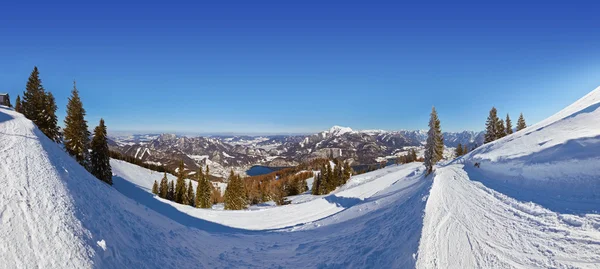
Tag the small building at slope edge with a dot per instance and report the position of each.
(4, 99)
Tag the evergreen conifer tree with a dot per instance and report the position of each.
(501, 129)
(50, 120)
(100, 155)
(235, 195)
(39, 106)
(491, 126)
(521, 123)
(459, 150)
(190, 194)
(316, 184)
(155, 188)
(347, 172)
(18, 104)
(203, 191)
(171, 191)
(164, 187)
(465, 150)
(32, 105)
(508, 125)
(435, 143)
(76, 132)
(180, 189)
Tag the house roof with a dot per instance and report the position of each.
(3, 93)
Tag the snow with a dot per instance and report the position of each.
(468, 225)
(555, 159)
(358, 188)
(532, 204)
(339, 130)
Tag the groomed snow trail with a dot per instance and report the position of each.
(468, 225)
(54, 214)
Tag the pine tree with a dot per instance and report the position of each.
(180, 191)
(435, 143)
(521, 123)
(414, 155)
(235, 195)
(155, 188)
(171, 191)
(459, 150)
(164, 187)
(203, 191)
(184, 197)
(491, 126)
(330, 181)
(347, 172)
(100, 155)
(316, 184)
(50, 120)
(501, 129)
(465, 150)
(508, 125)
(33, 97)
(39, 106)
(200, 178)
(76, 132)
(18, 104)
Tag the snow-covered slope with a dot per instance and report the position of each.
(556, 159)
(54, 214)
(358, 189)
(516, 210)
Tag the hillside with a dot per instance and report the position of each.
(532, 204)
(54, 214)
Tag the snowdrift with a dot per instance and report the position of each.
(555, 162)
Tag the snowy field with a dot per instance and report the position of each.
(533, 204)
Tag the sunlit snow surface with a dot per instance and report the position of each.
(530, 205)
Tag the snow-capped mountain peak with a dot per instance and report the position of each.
(339, 130)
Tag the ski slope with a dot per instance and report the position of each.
(468, 225)
(54, 214)
(533, 204)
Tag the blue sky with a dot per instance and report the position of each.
(303, 66)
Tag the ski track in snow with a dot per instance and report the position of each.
(468, 225)
(511, 213)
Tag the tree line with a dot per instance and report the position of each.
(182, 192)
(328, 178)
(39, 106)
(496, 128)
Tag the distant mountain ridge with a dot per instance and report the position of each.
(239, 152)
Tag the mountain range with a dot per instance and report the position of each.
(239, 152)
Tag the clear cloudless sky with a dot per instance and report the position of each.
(303, 66)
